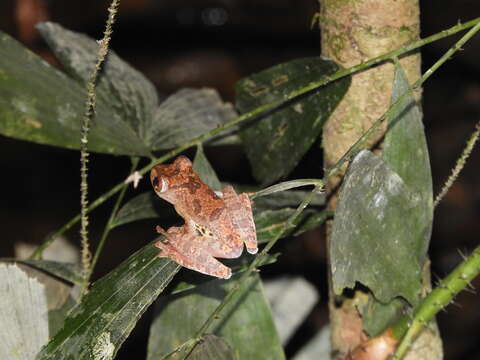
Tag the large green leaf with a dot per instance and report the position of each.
(131, 97)
(108, 313)
(143, 206)
(275, 144)
(374, 235)
(378, 316)
(403, 226)
(212, 347)
(187, 114)
(41, 104)
(406, 153)
(270, 223)
(202, 167)
(246, 323)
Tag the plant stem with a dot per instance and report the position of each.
(462, 160)
(85, 129)
(113, 214)
(286, 185)
(260, 110)
(439, 298)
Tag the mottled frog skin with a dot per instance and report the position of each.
(217, 224)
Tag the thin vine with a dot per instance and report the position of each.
(462, 160)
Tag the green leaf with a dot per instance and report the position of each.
(406, 153)
(203, 168)
(374, 236)
(314, 221)
(187, 114)
(131, 97)
(275, 144)
(246, 323)
(144, 206)
(110, 310)
(212, 347)
(378, 316)
(191, 279)
(57, 316)
(41, 104)
(270, 222)
(23, 308)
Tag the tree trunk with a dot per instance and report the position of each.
(353, 32)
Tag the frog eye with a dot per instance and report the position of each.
(155, 182)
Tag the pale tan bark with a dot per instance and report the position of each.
(354, 31)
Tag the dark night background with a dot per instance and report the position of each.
(214, 44)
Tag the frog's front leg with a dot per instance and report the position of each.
(187, 249)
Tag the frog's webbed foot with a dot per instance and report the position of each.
(186, 249)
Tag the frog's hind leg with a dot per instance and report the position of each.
(185, 250)
(250, 235)
(242, 218)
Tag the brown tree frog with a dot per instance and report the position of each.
(217, 224)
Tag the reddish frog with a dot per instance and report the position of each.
(217, 224)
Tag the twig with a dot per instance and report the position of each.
(459, 165)
(89, 114)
